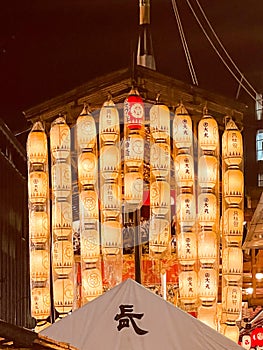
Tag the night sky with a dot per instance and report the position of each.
(50, 46)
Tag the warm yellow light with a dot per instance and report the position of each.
(40, 303)
(208, 315)
(208, 133)
(60, 139)
(133, 188)
(62, 261)
(232, 301)
(207, 246)
(207, 171)
(182, 128)
(207, 278)
(91, 284)
(111, 237)
(63, 295)
(110, 162)
(184, 170)
(230, 330)
(90, 244)
(207, 209)
(233, 221)
(187, 248)
(38, 187)
(160, 159)
(86, 130)
(37, 144)
(61, 219)
(110, 199)
(134, 150)
(160, 197)
(109, 123)
(232, 144)
(188, 287)
(159, 235)
(89, 198)
(160, 122)
(39, 265)
(232, 263)
(233, 186)
(87, 168)
(39, 227)
(185, 209)
(61, 180)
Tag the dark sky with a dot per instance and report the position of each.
(50, 46)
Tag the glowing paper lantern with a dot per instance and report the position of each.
(230, 330)
(61, 180)
(184, 170)
(134, 110)
(38, 187)
(110, 162)
(89, 199)
(86, 130)
(111, 237)
(160, 197)
(208, 315)
(134, 150)
(159, 235)
(87, 168)
(63, 295)
(207, 278)
(40, 303)
(182, 128)
(186, 248)
(91, 284)
(233, 186)
(207, 247)
(110, 199)
(39, 265)
(207, 171)
(90, 244)
(60, 139)
(185, 209)
(232, 144)
(159, 159)
(109, 123)
(133, 188)
(160, 122)
(208, 133)
(39, 227)
(232, 301)
(207, 209)
(37, 144)
(232, 263)
(188, 287)
(62, 261)
(233, 221)
(62, 219)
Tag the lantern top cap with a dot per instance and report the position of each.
(181, 110)
(109, 102)
(59, 120)
(38, 126)
(134, 91)
(85, 110)
(231, 125)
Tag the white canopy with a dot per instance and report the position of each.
(131, 317)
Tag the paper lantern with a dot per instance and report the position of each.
(39, 265)
(207, 278)
(111, 237)
(91, 284)
(185, 209)
(89, 198)
(159, 235)
(111, 199)
(207, 209)
(160, 197)
(182, 128)
(62, 261)
(233, 221)
(63, 295)
(109, 123)
(90, 244)
(232, 144)
(232, 263)
(208, 133)
(160, 159)
(87, 168)
(38, 187)
(184, 170)
(207, 246)
(160, 122)
(37, 144)
(134, 110)
(133, 188)
(232, 301)
(61, 219)
(187, 248)
(233, 186)
(208, 315)
(40, 303)
(61, 180)
(188, 287)
(134, 150)
(110, 162)
(60, 139)
(246, 342)
(230, 330)
(86, 130)
(207, 172)
(38, 227)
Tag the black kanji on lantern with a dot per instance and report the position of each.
(126, 316)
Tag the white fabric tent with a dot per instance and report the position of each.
(131, 317)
